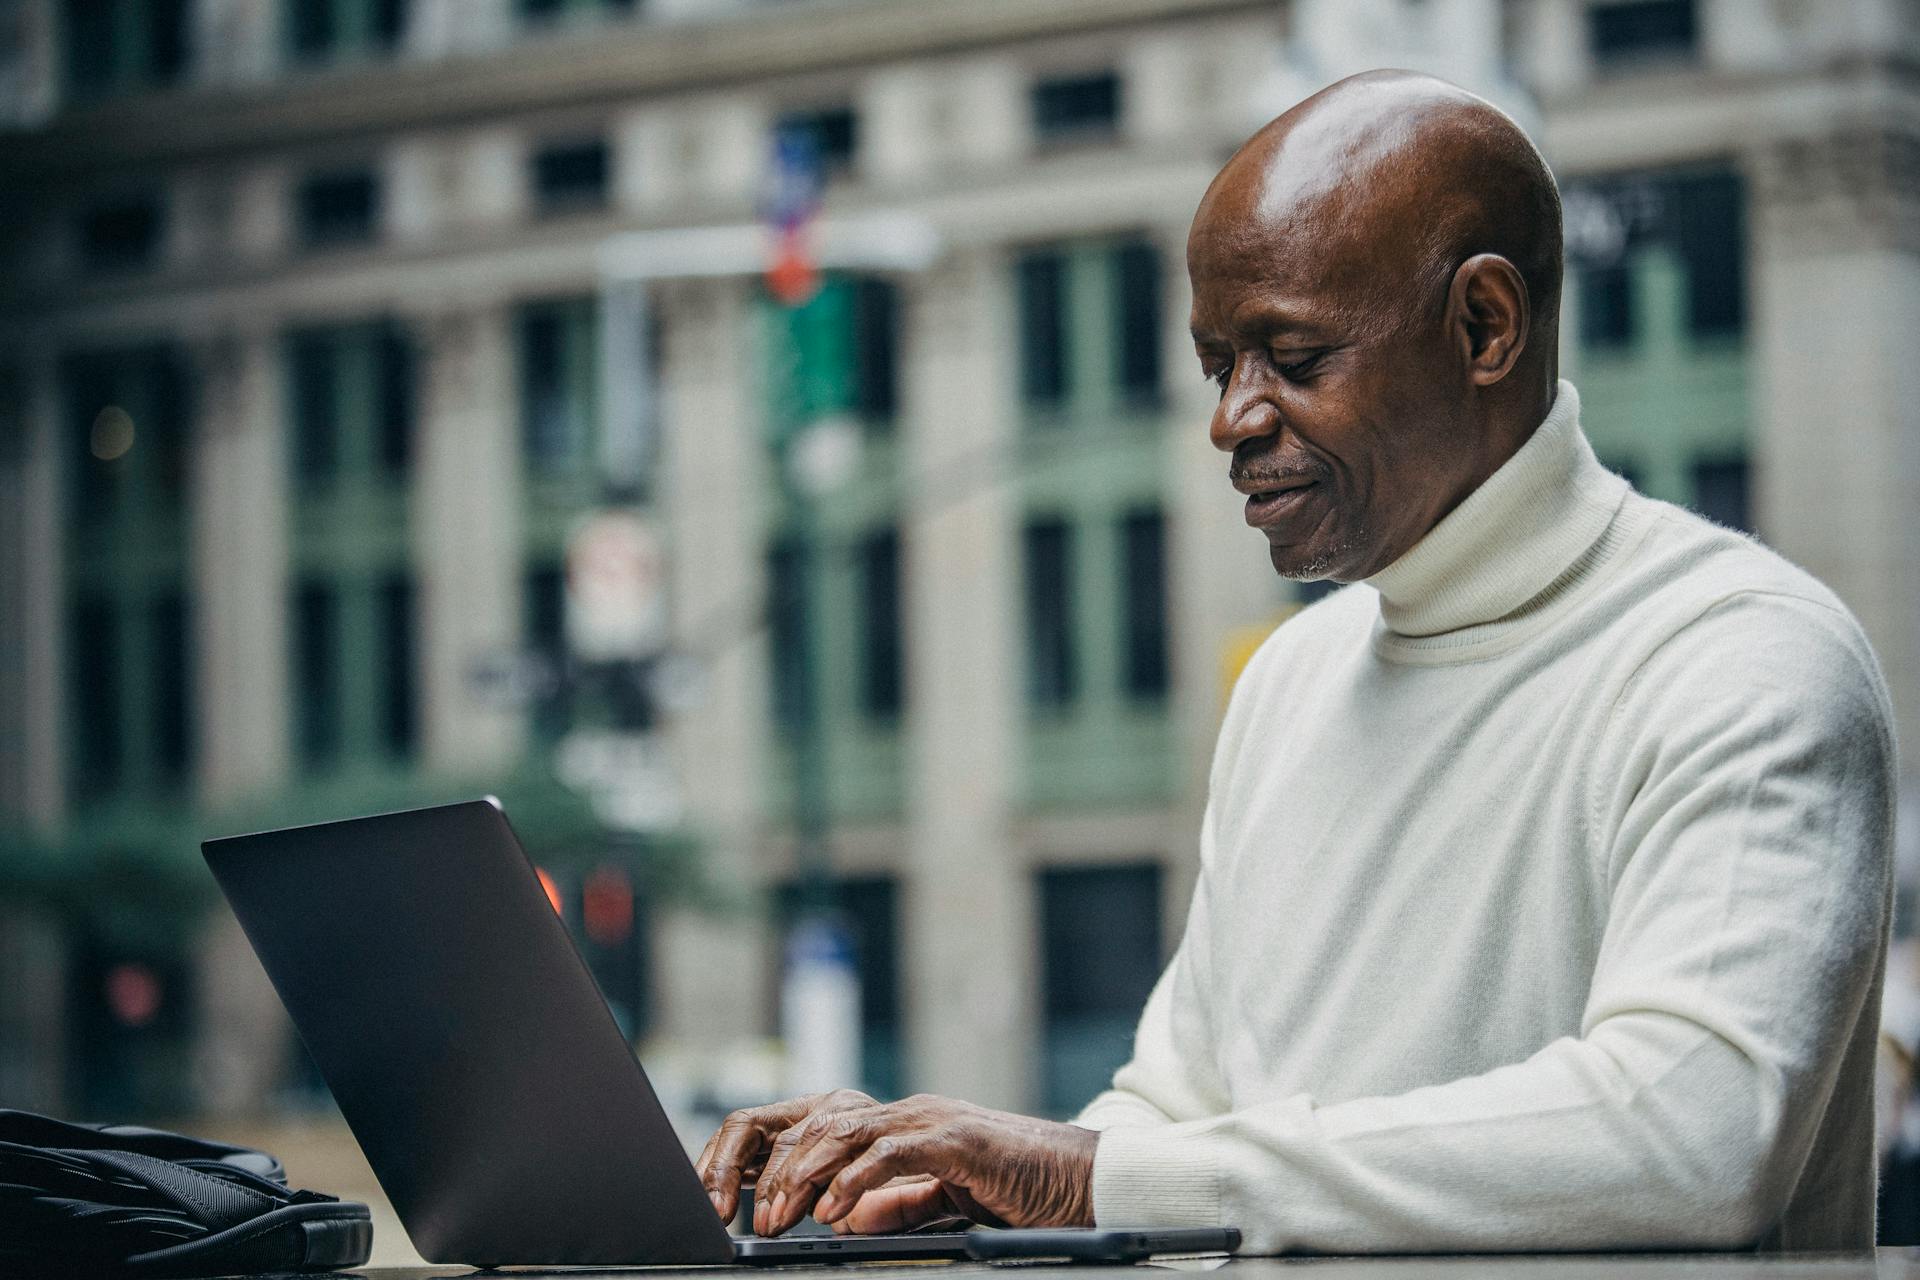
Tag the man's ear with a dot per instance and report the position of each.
(1488, 308)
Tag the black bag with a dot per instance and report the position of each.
(121, 1201)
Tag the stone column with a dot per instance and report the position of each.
(970, 944)
(711, 978)
(466, 533)
(238, 550)
(239, 566)
(1836, 302)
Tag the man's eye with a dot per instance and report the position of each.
(1219, 377)
(1298, 368)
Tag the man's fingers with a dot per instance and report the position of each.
(901, 1205)
(808, 1155)
(888, 1157)
(740, 1145)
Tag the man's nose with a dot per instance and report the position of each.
(1244, 413)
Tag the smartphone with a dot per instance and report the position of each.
(1099, 1244)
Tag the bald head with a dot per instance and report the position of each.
(1376, 291)
(1400, 177)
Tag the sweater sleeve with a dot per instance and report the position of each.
(1743, 795)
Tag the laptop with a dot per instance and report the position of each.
(475, 1060)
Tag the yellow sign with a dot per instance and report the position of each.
(1238, 645)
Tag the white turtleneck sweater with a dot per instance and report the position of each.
(1543, 902)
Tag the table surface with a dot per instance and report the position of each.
(1884, 1264)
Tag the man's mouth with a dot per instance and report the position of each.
(1268, 505)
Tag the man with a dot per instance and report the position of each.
(1544, 880)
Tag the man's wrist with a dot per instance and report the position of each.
(1083, 1145)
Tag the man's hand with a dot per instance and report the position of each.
(869, 1166)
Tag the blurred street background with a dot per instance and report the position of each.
(758, 440)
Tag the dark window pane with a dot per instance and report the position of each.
(1705, 215)
(1137, 321)
(571, 176)
(540, 8)
(96, 696)
(546, 403)
(166, 39)
(1100, 956)
(398, 717)
(1720, 492)
(394, 354)
(167, 429)
(389, 22)
(1627, 31)
(1048, 548)
(787, 581)
(876, 337)
(1076, 107)
(1606, 306)
(310, 26)
(316, 672)
(90, 391)
(338, 208)
(90, 44)
(171, 655)
(546, 634)
(882, 663)
(1043, 329)
(832, 133)
(313, 383)
(123, 235)
(1143, 595)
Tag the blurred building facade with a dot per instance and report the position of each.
(310, 354)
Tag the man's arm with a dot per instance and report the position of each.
(1749, 776)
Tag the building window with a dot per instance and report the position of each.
(1047, 547)
(170, 652)
(98, 750)
(352, 404)
(127, 414)
(1043, 329)
(1077, 108)
(1699, 218)
(399, 720)
(571, 177)
(788, 574)
(335, 209)
(550, 10)
(122, 235)
(1143, 596)
(558, 392)
(1100, 937)
(546, 638)
(869, 909)
(321, 30)
(115, 46)
(1720, 492)
(1628, 32)
(316, 672)
(882, 662)
(1136, 269)
(1606, 307)
(312, 382)
(831, 135)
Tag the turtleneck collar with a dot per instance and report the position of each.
(1511, 539)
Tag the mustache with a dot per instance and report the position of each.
(1276, 476)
